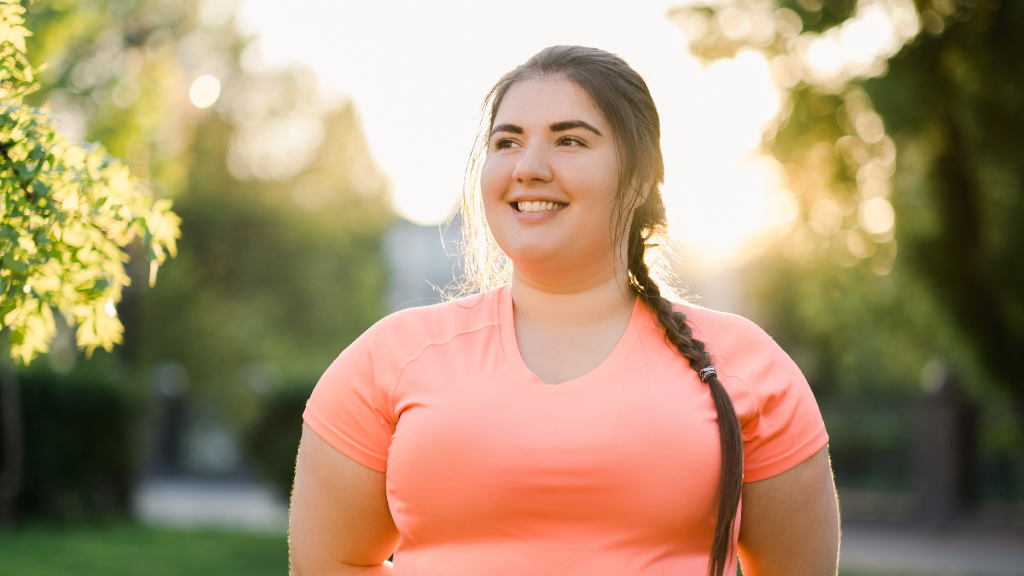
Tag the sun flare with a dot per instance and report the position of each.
(419, 73)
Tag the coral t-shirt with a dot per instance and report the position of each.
(492, 471)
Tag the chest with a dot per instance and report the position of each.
(481, 452)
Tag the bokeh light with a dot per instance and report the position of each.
(204, 91)
(876, 216)
(861, 45)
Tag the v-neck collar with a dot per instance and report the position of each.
(510, 344)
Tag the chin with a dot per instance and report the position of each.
(536, 252)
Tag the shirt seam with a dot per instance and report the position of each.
(408, 532)
(750, 392)
(394, 417)
(417, 356)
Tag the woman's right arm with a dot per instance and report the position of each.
(339, 523)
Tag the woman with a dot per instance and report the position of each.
(573, 421)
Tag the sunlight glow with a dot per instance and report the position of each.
(716, 190)
(419, 71)
(861, 45)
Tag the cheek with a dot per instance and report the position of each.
(494, 183)
(597, 189)
(609, 182)
(597, 209)
(495, 178)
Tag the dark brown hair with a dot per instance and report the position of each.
(624, 99)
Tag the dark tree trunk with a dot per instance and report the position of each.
(961, 267)
(958, 94)
(10, 418)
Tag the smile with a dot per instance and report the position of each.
(538, 206)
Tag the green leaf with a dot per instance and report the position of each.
(14, 265)
(67, 241)
(22, 169)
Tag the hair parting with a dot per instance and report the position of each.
(623, 97)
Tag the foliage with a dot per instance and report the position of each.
(78, 450)
(918, 145)
(67, 213)
(274, 289)
(280, 264)
(274, 439)
(126, 549)
(953, 104)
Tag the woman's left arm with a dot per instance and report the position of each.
(790, 522)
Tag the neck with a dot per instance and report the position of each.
(580, 304)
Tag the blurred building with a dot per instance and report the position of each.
(422, 260)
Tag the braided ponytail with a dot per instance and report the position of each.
(679, 335)
(623, 97)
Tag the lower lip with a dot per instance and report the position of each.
(535, 216)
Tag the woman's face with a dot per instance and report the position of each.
(549, 182)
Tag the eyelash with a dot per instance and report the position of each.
(504, 143)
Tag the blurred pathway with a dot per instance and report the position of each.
(867, 547)
(189, 503)
(892, 548)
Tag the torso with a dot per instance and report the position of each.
(536, 477)
(490, 470)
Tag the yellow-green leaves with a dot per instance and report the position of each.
(10, 31)
(67, 212)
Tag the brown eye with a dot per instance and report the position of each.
(572, 142)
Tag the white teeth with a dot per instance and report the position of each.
(538, 206)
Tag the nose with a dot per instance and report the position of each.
(533, 166)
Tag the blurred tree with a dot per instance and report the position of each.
(77, 450)
(282, 206)
(953, 103)
(67, 212)
(274, 438)
(938, 81)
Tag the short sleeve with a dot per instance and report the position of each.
(782, 425)
(348, 407)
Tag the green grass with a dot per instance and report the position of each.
(848, 573)
(130, 550)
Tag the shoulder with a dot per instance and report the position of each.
(406, 332)
(726, 334)
(748, 360)
(378, 357)
(782, 425)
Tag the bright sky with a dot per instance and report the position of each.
(418, 72)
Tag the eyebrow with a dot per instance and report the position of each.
(570, 124)
(556, 127)
(507, 128)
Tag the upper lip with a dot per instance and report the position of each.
(516, 198)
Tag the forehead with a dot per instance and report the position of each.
(545, 101)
